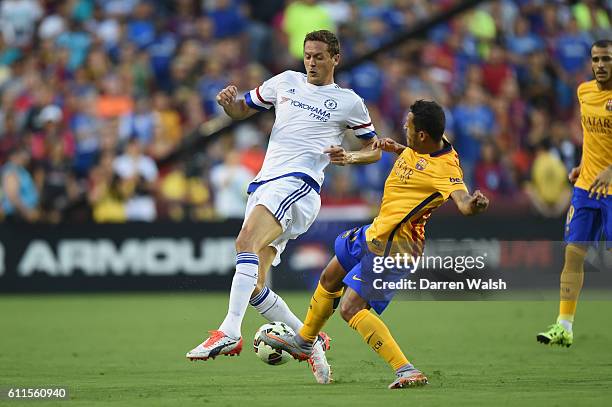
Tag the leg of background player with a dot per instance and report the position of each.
(572, 278)
(269, 304)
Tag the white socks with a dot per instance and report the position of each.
(272, 307)
(266, 302)
(566, 324)
(243, 284)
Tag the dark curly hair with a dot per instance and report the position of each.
(428, 116)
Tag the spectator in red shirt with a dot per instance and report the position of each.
(496, 70)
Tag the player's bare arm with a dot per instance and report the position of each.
(367, 155)
(234, 108)
(470, 204)
(389, 145)
(601, 184)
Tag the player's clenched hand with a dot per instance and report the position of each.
(573, 175)
(227, 96)
(478, 202)
(338, 156)
(602, 182)
(388, 145)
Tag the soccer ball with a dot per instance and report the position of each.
(266, 353)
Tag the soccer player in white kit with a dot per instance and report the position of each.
(312, 115)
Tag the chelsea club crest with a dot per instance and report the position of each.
(331, 104)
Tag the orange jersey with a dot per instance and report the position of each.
(416, 186)
(596, 118)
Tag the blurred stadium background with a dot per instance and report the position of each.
(113, 103)
(134, 179)
(79, 79)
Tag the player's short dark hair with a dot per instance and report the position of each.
(601, 44)
(428, 116)
(328, 37)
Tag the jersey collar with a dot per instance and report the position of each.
(444, 150)
(317, 87)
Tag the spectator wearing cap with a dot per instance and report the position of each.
(52, 132)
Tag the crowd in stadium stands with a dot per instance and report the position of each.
(95, 92)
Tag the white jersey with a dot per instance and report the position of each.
(309, 119)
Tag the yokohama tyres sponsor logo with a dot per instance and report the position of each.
(314, 109)
(315, 112)
(151, 257)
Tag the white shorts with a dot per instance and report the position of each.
(294, 204)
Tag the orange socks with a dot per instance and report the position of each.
(322, 305)
(376, 334)
(572, 278)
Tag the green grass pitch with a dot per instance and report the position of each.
(128, 350)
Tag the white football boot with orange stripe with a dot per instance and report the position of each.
(300, 350)
(318, 361)
(217, 344)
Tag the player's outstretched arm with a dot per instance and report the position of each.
(389, 145)
(470, 204)
(236, 109)
(367, 155)
(601, 184)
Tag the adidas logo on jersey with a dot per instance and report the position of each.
(292, 91)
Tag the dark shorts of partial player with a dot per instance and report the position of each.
(362, 275)
(589, 219)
